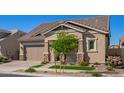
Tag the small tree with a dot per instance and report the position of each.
(64, 44)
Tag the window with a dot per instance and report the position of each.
(91, 44)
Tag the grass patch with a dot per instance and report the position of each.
(1, 62)
(37, 66)
(30, 70)
(72, 67)
(96, 63)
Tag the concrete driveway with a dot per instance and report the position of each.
(16, 65)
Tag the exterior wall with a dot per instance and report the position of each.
(10, 46)
(21, 51)
(99, 55)
(53, 36)
(94, 56)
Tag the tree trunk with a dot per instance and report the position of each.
(60, 62)
(56, 68)
(63, 62)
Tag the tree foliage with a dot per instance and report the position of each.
(65, 43)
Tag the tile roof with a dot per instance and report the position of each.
(99, 22)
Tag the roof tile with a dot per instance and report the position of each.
(99, 22)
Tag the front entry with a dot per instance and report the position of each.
(70, 58)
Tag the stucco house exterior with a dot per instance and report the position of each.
(93, 35)
(9, 44)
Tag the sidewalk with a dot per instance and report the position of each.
(32, 74)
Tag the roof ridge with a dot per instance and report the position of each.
(103, 25)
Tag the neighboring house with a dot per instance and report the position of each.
(9, 44)
(93, 35)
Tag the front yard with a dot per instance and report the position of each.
(92, 70)
(72, 67)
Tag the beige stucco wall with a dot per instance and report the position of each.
(92, 57)
(99, 55)
(54, 36)
(10, 46)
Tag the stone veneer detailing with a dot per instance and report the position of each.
(80, 53)
(21, 57)
(46, 57)
(80, 57)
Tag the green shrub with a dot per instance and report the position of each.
(96, 63)
(96, 74)
(30, 70)
(82, 63)
(63, 62)
(93, 66)
(110, 68)
(45, 71)
(3, 60)
(44, 62)
(106, 63)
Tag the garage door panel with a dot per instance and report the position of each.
(34, 52)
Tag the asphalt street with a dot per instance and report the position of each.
(13, 75)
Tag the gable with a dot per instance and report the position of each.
(65, 26)
(91, 32)
(62, 28)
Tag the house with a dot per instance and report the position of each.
(93, 35)
(9, 44)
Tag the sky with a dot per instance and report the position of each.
(28, 22)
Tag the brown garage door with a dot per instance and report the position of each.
(34, 52)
